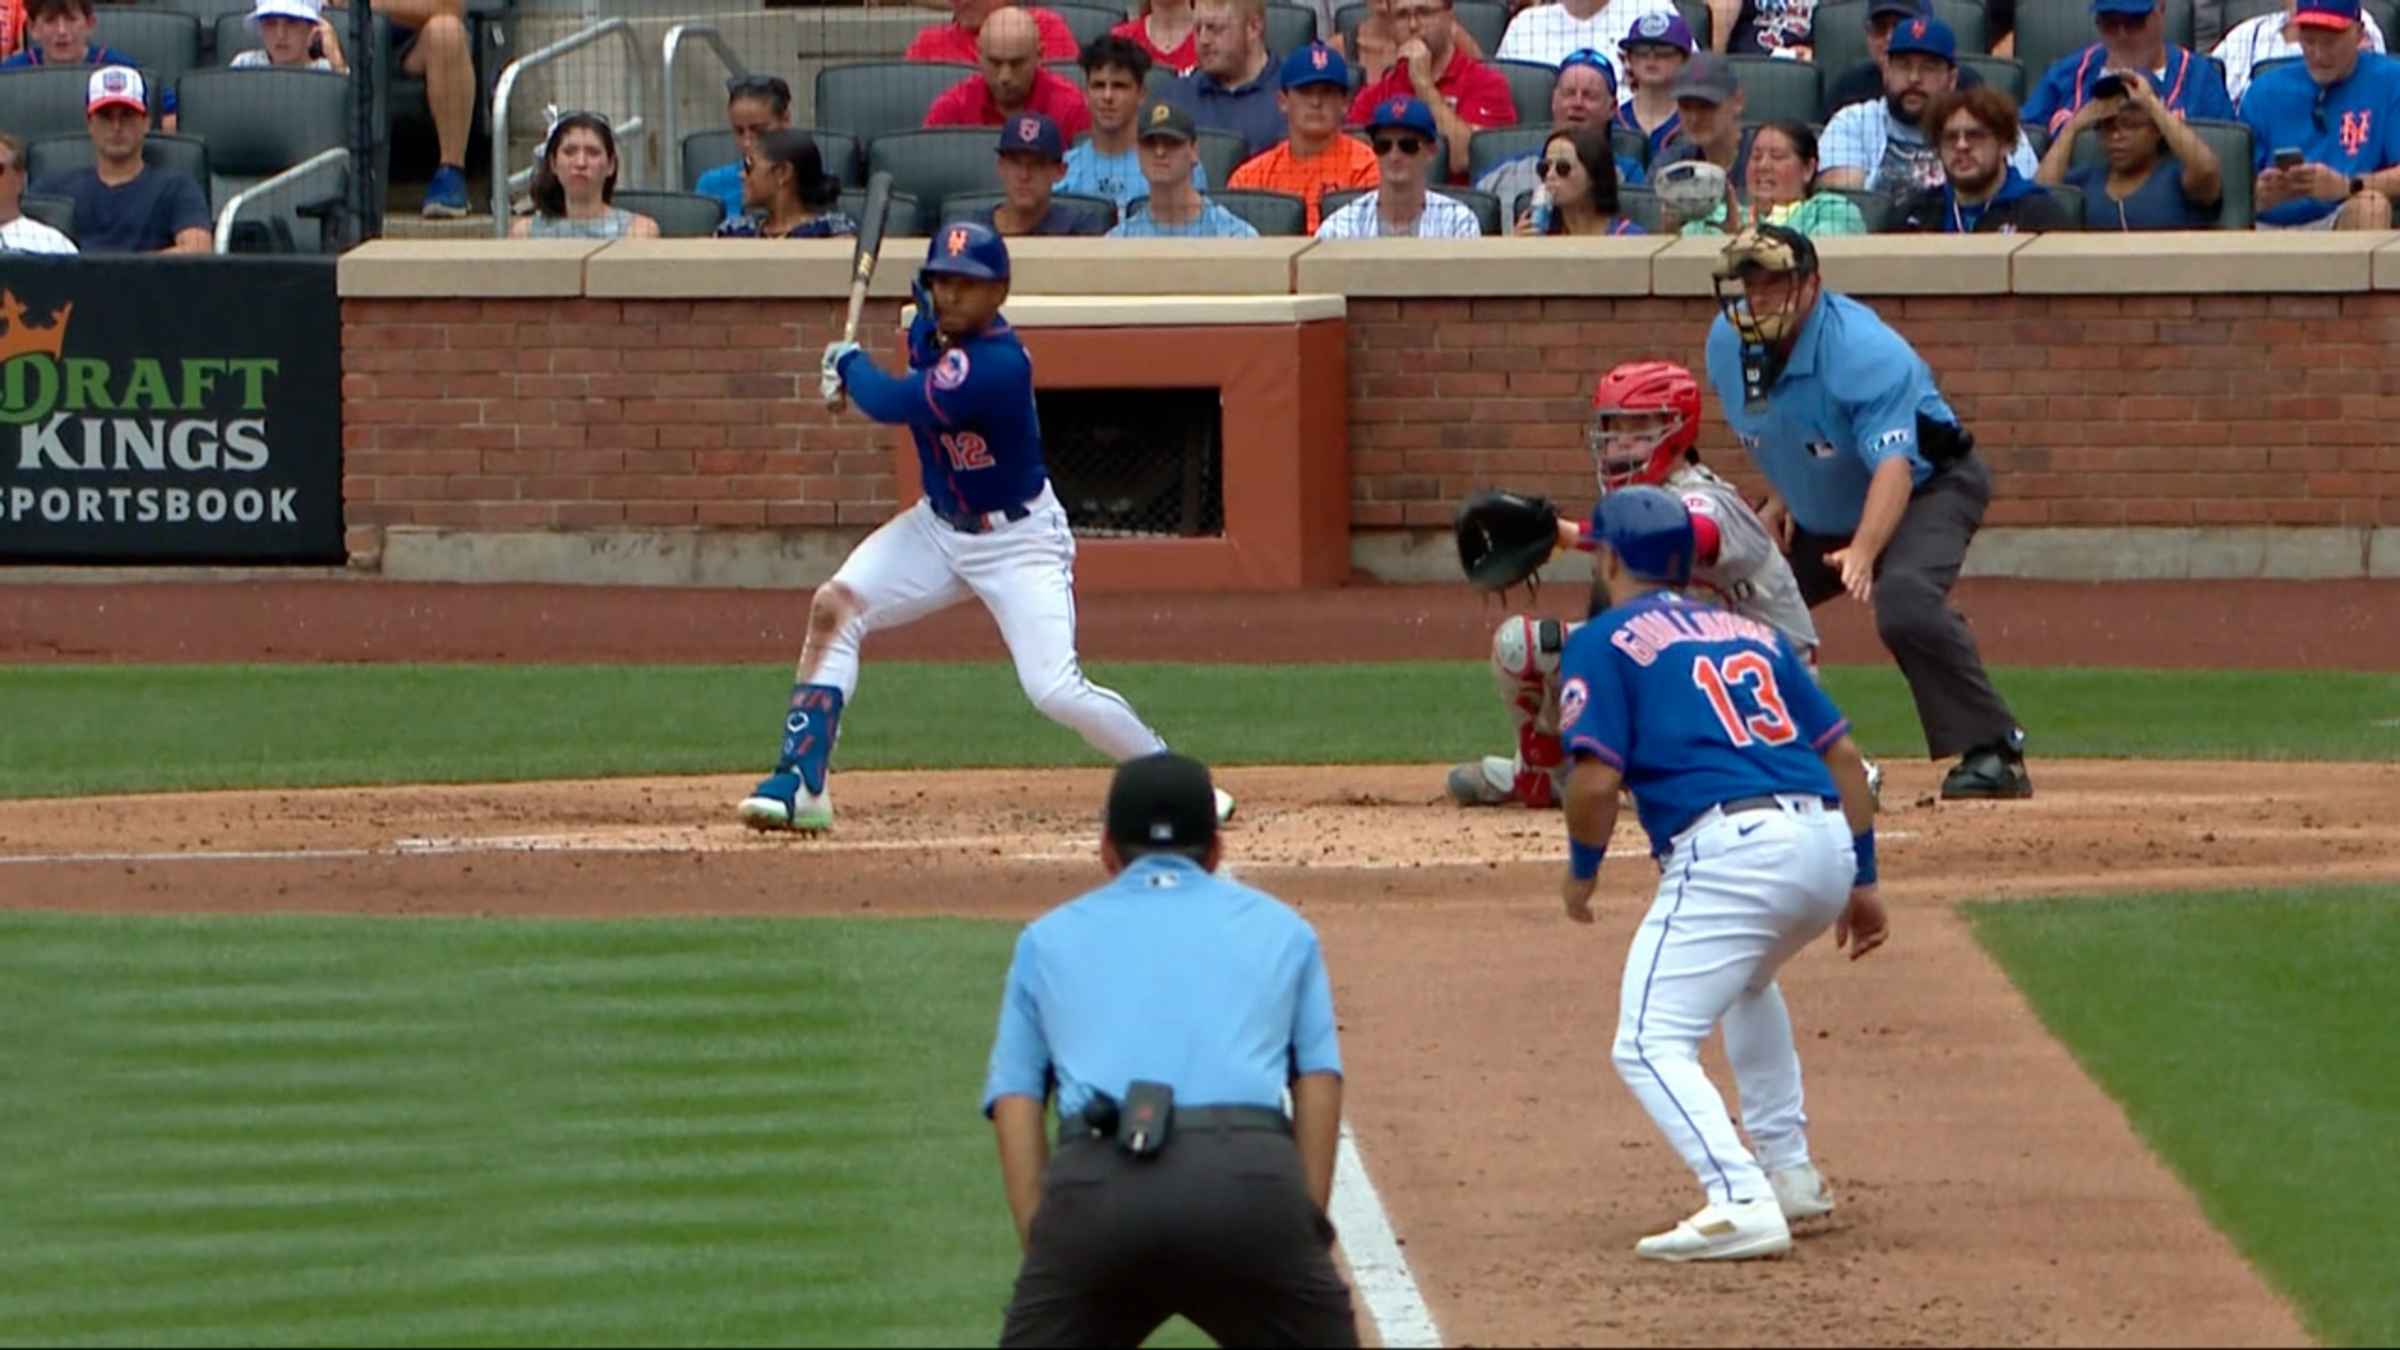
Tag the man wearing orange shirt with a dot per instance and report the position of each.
(954, 42)
(1011, 82)
(1466, 95)
(1318, 158)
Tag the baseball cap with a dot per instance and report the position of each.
(1164, 800)
(1160, 118)
(1898, 9)
(1315, 63)
(307, 11)
(2327, 14)
(1657, 29)
(2123, 6)
(1587, 56)
(115, 87)
(1404, 114)
(1032, 134)
(1927, 35)
(1707, 78)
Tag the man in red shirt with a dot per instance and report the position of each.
(1466, 95)
(1012, 81)
(954, 42)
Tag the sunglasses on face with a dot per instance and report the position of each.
(1407, 145)
(1554, 168)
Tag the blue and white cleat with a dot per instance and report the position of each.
(782, 802)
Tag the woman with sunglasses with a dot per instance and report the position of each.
(1783, 166)
(787, 194)
(1579, 174)
(575, 184)
(754, 106)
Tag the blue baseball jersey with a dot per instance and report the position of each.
(969, 407)
(1847, 400)
(2351, 126)
(2192, 85)
(1696, 706)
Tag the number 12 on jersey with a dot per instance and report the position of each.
(1751, 672)
(967, 450)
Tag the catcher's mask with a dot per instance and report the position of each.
(1645, 414)
(1757, 253)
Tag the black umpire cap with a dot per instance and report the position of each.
(1162, 801)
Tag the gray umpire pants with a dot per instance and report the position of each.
(1956, 703)
(1218, 1227)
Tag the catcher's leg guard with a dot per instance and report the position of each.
(1525, 656)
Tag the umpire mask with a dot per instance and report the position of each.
(1762, 253)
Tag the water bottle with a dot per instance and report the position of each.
(1541, 209)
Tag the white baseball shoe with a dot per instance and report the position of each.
(1743, 1230)
(1224, 805)
(1801, 1192)
(782, 802)
(1490, 781)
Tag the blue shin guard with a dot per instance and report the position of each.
(809, 728)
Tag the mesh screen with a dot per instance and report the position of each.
(1136, 462)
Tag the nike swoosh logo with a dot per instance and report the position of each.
(1744, 831)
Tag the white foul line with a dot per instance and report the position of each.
(1377, 1266)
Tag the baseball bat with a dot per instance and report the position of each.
(871, 220)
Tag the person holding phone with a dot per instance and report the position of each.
(2155, 173)
(2327, 148)
(2133, 40)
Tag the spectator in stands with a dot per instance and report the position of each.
(1581, 170)
(1653, 56)
(956, 42)
(2155, 173)
(1234, 87)
(1983, 193)
(12, 26)
(1012, 82)
(1784, 28)
(2133, 37)
(754, 106)
(1108, 163)
(1864, 82)
(2337, 108)
(292, 33)
(2273, 36)
(1378, 40)
(1466, 95)
(787, 193)
(121, 204)
(1783, 164)
(575, 186)
(1406, 140)
(1708, 100)
(1175, 209)
(1032, 160)
(1882, 145)
(59, 33)
(1546, 33)
(1585, 95)
(1168, 30)
(20, 233)
(434, 48)
(1317, 158)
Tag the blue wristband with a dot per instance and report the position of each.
(1583, 861)
(1864, 842)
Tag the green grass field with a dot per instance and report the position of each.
(2250, 1037)
(95, 729)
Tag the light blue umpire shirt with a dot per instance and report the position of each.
(1168, 973)
(1847, 400)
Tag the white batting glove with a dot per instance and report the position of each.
(829, 371)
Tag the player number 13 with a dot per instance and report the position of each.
(1771, 724)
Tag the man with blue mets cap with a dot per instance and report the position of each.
(1317, 158)
(2133, 45)
(1407, 146)
(2325, 130)
(1757, 810)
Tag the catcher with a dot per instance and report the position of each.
(1644, 428)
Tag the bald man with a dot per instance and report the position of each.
(1011, 81)
(955, 42)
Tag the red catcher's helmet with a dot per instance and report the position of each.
(1645, 415)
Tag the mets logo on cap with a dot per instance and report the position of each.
(1651, 25)
(1396, 108)
(957, 242)
(1916, 28)
(1317, 55)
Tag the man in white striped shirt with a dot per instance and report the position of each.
(1406, 140)
(1547, 33)
(21, 233)
(2269, 37)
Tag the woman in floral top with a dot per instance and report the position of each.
(787, 192)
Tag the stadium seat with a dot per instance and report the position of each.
(1290, 27)
(1220, 153)
(933, 164)
(1346, 21)
(705, 150)
(1529, 85)
(1631, 144)
(965, 205)
(1641, 204)
(257, 123)
(907, 216)
(1999, 72)
(1702, 22)
(205, 13)
(1485, 206)
(680, 215)
(1485, 20)
(56, 212)
(1488, 150)
(1086, 21)
(1158, 81)
(1873, 207)
(2231, 141)
(2072, 199)
(160, 150)
(160, 41)
(1777, 91)
(870, 98)
(43, 101)
(1840, 32)
(2050, 29)
(1069, 71)
(1269, 213)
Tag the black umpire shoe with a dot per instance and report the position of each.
(1992, 773)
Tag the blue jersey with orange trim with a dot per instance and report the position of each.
(2351, 126)
(2192, 85)
(1696, 706)
(970, 408)
(1657, 137)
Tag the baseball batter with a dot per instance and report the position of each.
(988, 526)
(1757, 810)
(1644, 429)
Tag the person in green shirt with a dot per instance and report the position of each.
(1783, 163)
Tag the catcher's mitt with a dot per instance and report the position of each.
(1503, 537)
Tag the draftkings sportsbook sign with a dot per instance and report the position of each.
(170, 410)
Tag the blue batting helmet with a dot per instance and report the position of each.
(1649, 530)
(966, 249)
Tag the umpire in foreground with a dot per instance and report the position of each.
(1169, 1009)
